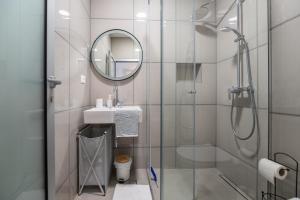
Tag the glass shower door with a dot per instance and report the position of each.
(22, 135)
(179, 72)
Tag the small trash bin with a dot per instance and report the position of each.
(95, 157)
(123, 165)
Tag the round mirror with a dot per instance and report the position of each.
(116, 54)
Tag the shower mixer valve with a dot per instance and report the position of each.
(239, 90)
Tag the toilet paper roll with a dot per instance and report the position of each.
(99, 103)
(271, 170)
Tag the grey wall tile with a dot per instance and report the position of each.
(238, 172)
(285, 68)
(281, 12)
(244, 150)
(263, 76)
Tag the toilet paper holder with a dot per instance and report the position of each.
(295, 169)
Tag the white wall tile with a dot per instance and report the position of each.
(100, 88)
(222, 7)
(79, 92)
(61, 71)
(184, 125)
(142, 140)
(250, 22)
(154, 83)
(154, 41)
(285, 68)
(99, 26)
(141, 9)
(262, 22)
(76, 121)
(184, 9)
(226, 76)
(226, 47)
(79, 27)
(206, 84)
(140, 85)
(283, 11)
(225, 82)
(126, 91)
(154, 124)
(169, 83)
(206, 45)
(169, 41)
(141, 33)
(61, 148)
(112, 9)
(206, 129)
(62, 18)
(184, 42)
(169, 9)
(169, 125)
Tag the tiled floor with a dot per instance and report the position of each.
(140, 177)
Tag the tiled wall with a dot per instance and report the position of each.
(72, 39)
(285, 133)
(143, 88)
(241, 169)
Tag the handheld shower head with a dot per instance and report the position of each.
(228, 29)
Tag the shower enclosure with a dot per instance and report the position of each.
(214, 99)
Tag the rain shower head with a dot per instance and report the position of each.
(228, 29)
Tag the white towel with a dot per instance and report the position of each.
(127, 123)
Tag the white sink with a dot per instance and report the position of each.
(105, 115)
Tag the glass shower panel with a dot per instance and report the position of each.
(22, 141)
(178, 103)
(201, 157)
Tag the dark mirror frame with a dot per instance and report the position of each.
(94, 65)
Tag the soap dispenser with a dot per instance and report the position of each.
(109, 101)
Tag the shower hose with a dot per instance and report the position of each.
(250, 90)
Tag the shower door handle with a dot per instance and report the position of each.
(53, 82)
(192, 92)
